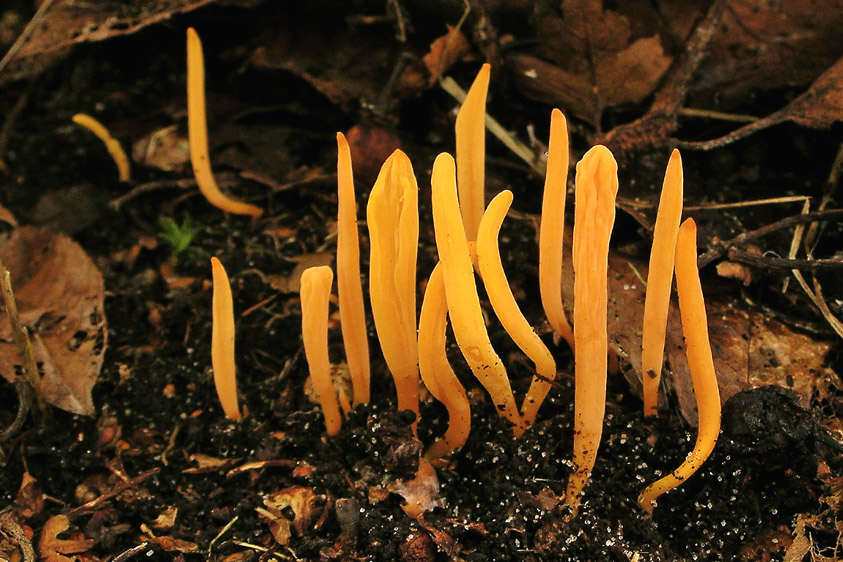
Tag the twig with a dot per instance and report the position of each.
(746, 237)
(22, 342)
(742, 256)
(126, 554)
(151, 186)
(221, 533)
(91, 505)
(794, 243)
(719, 115)
(27, 31)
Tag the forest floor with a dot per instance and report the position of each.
(132, 456)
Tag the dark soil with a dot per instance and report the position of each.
(501, 498)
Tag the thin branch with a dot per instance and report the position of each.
(722, 248)
(786, 264)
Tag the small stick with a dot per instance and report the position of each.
(91, 505)
(21, 336)
(722, 248)
(788, 264)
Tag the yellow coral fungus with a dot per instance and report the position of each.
(471, 153)
(700, 362)
(461, 292)
(506, 308)
(594, 217)
(552, 227)
(222, 342)
(315, 294)
(659, 279)
(349, 288)
(436, 371)
(197, 128)
(393, 220)
(112, 145)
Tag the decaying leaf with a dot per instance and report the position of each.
(421, 493)
(68, 23)
(305, 503)
(596, 61)
(763, 45)
(53, 549)
(208, 463)
(30, 499)
(59, 293)
(444, 52)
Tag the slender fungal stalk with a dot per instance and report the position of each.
(315, 294)
(349, 288)
(112, 145)
(594, 217)
(700, 362)
(461, 292)
(393, 220)
(506, 308)
(222, 342)
(659, 280)
(436, 371)
(471, 153)
(552, 227)
(197, 130)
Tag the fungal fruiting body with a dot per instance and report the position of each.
(315, 294)
(594, 216)
(222, 342)
(552, 227)
(700, 363)
(461, 292)
(112, 145)
(349, 288)
(393, 220)
(659, 280)
(436, 372)
(506, 308)
(197, 129)
(471, 153)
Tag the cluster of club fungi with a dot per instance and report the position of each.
(467, 242)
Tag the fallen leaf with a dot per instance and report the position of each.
(304, 502)
(444, 52)
(596, 62)
(208, 463)
(52, 548)
(421, 494)
(166, 519)
(68, 23)
(762, 46)
(59, 293)
(171, 544)
(30, 499)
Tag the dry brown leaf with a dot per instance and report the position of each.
(69, 22)
(818, 108)
(53, 549)
(59, 293)
(208, 463)
(30, 499)
(444, 52)
(172, 544)
(763, 45)
(166, 519)
(597, 63)
(421, 494)
(304, 502)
